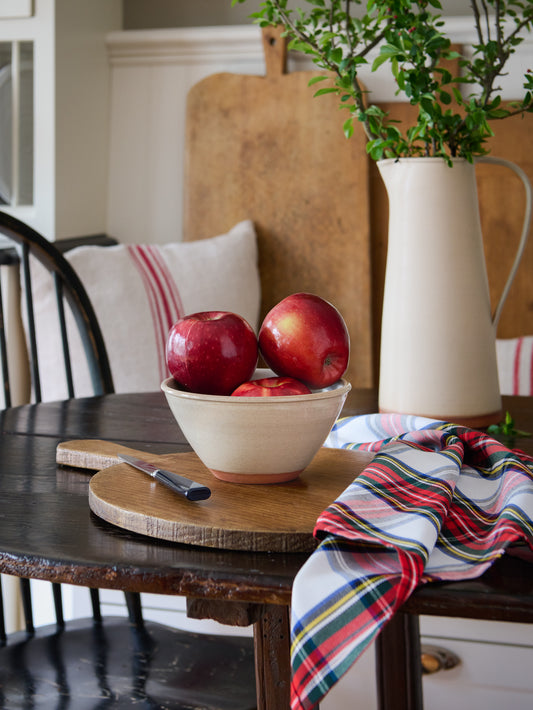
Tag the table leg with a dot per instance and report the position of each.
(272, 657)
(398, 666)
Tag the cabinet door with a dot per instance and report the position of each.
(494, 670)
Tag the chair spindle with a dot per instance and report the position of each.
(31, 322)
(95, 603)
(3, 352)
(3, 637)
(133, 602)
(58, 604)
(64, 337)
(25, 593)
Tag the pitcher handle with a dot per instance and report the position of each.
(525, 229)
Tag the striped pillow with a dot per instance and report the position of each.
(515, 365)
(138, 292)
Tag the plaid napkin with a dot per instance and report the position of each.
(438, 502)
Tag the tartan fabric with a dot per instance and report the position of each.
(438, 502)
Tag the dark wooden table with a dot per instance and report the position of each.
(47, 531)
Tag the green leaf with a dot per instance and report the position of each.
(329, 90)
(506, 429)
(336, 55)
(375, 149)
(348, 128)
(457, 95)
(498, 113)
(316, 79)
(379, 60)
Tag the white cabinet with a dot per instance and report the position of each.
(71, 112)
(494, 671)
(495, 665)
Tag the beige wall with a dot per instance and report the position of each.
(140, 14)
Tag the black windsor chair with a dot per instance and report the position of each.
(103, 662)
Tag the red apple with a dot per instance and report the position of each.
(211, 352)
(271, 387)
(305, 337)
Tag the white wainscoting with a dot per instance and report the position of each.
(152, 72)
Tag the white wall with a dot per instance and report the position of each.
(82, 91)
(139, 14)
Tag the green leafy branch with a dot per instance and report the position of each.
(506, 429)
(340, 36)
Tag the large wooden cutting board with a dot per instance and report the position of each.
(263, 148)
(277, 518)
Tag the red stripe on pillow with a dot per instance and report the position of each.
(175, 310)
(530, 373)
(159, 281)
(162, 293)
(516, 367)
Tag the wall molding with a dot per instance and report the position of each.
(186, 44)
(241, 46)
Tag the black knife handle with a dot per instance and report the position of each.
(190, 489)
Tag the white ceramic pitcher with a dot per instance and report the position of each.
(438, 339)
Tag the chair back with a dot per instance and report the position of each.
(127, 659)
(28, 244)
(68, 290)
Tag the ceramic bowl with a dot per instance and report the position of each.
(256, 439)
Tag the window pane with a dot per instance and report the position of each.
(16, 123)
(25, 196)
(6, 111)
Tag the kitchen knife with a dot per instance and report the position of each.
(179, 484)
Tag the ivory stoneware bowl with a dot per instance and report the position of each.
(256, 439)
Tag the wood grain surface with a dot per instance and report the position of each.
(276, 518)
(262, 148)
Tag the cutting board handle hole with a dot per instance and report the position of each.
(275, 50)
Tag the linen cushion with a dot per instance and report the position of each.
(138, 292)
(515, 365)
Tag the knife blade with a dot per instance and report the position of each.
(179, 484)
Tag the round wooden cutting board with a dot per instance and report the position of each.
(276, 518)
